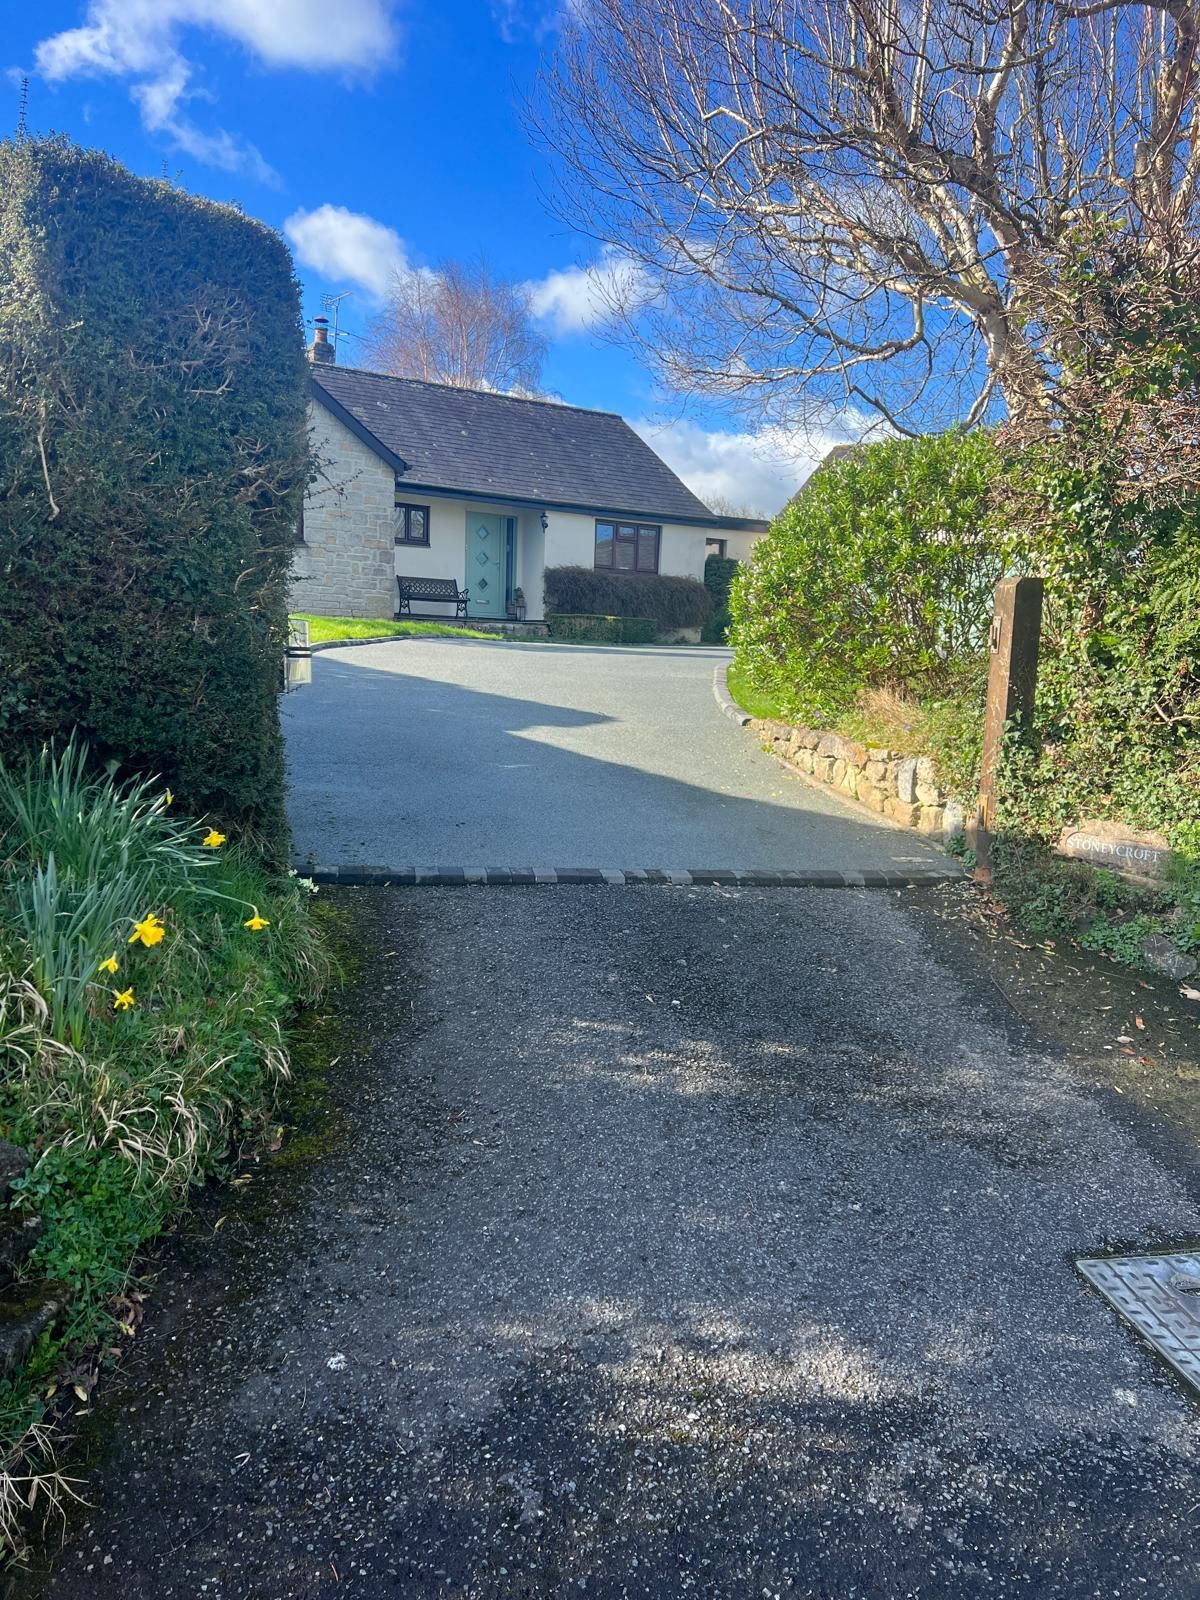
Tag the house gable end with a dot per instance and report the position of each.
(359, 428)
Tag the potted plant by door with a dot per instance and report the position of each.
(517, 609)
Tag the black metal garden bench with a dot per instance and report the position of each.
(444, 590)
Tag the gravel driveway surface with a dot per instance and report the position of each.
(675, 1243)
(459, 752)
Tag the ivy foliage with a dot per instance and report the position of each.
(1103, 498)
(153, 459)
(877, 575)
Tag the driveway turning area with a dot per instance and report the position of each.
(463, 753)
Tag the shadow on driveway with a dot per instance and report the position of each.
(609, 768)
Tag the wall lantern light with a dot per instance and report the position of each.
(545, 522)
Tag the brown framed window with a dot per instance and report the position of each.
(627, 546)
(412, 523)
(716, 547)
(298, 533)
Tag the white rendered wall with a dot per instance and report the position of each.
(571, 542)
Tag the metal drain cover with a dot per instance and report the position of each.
(1159, 1296)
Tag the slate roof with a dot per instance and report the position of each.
(484, 444)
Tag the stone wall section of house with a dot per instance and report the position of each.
(346, 566)
(903, 788)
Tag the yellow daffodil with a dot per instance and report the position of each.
(110, 965)
(255, 923)
(213, 839)
(122, 999)
(169, 798)
(149, 931)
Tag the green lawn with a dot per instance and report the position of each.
(325, 630)
(755, 701)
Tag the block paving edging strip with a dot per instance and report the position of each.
(356, 644)
(413, 877)
(721, 694)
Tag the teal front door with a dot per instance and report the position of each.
(491, 551)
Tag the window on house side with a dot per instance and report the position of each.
(627, 547)
(298, 535)
(412, 524)
(716, 547)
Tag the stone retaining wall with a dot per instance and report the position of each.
(904, 788)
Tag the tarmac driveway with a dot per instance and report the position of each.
(663, 1244)
(462, 753)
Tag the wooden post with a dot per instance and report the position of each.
(1012, 684)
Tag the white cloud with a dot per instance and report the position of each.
(158, 100)
(348, 247)
(538, 19)
(139, 40)
(577, 298)
(759, 471)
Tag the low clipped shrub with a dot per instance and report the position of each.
(670, 603)
(878, 574)
(602, 630)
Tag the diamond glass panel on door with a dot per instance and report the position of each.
(486, 552)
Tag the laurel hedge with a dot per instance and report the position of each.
(153, 459)
(877, 575)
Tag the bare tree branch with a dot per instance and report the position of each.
(460, 326)
(850, 202)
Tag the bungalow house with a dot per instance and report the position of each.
(420, 480)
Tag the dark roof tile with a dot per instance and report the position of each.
(476, 442)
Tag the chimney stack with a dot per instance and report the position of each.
(320, 349)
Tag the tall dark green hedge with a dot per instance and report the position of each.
(153, 458)
(719, 573)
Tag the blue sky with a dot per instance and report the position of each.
(374, 135)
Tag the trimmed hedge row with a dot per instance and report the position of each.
(670, 602)
(153, 459)
(602, 630)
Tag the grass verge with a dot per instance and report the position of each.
(757, 702)
(947, 728)
(327, 630)
(147, 968)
